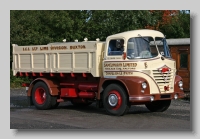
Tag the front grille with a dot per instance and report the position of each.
(163, 79)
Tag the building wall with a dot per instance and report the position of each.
(180, 50)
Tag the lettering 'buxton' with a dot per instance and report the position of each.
(129, 68)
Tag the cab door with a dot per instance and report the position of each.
(113, 57)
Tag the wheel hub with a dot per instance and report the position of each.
(40, 95)
(112, 100)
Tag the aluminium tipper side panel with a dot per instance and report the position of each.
(75, 57)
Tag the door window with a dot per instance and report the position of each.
(116, 47)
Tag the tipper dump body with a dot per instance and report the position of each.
(79, 57)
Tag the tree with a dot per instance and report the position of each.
(104, 23)
(173, 23)
(40, 27)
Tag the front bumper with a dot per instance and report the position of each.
(155, 97)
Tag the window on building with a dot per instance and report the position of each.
(183, 60)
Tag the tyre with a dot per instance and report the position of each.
(158, 106)
(115, 100)
(41, 97)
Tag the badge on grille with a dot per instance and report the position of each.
(165, 71)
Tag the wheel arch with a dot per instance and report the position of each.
(52, 85)
(113, 81)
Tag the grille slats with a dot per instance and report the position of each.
(159, 78)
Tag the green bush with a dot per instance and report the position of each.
(16, 82)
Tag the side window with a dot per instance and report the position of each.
(115, 47)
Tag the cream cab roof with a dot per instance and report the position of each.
(136, 33)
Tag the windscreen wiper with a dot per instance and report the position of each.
(144, 38)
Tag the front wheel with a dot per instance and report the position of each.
(115, 100)
(158, 106)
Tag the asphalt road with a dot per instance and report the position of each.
(67, 116)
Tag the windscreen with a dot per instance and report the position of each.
(144, 47)
(140, 47)
(163, 47)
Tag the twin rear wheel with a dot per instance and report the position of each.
(115, 100)
(42, 98)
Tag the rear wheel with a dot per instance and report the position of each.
(158, 106)
(115, 100)
(42, 98)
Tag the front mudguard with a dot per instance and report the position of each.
(177, 90)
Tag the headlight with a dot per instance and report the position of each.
(180, 84)
(144, 85)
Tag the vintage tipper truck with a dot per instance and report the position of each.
(129, 68)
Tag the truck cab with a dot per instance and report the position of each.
(137, 44)
(139, 62)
